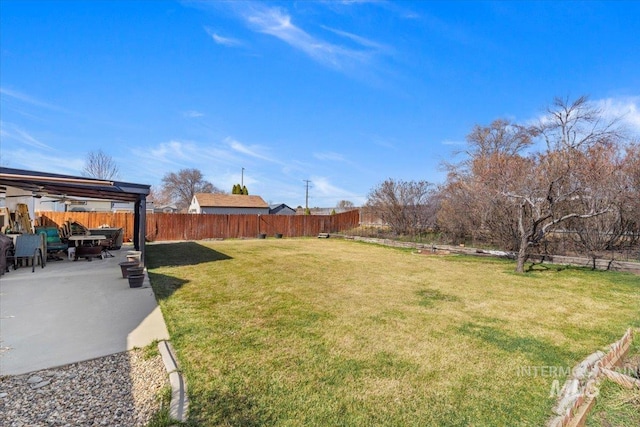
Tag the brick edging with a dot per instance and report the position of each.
(581, 388)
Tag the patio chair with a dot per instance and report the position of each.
(55, 244)
(28, 247)
(64, 232)
(109, 243)
(76, 228)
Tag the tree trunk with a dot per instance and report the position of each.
(524, 241)
(522, 254)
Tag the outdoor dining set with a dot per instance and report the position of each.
(72, 240)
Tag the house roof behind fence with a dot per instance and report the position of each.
(210, 200)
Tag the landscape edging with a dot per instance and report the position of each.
(580, 389)
(600, 264)
(179, 406)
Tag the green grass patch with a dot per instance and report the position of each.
(331, 332)
(151, 350)
(616, 405)
(428, 297)
(162, 418)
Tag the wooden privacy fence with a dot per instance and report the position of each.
(164, 226)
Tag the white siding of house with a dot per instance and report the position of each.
(194, 207)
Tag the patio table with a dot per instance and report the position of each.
(94, 250)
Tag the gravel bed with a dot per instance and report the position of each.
(118, 390)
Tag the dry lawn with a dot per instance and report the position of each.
(332, 332)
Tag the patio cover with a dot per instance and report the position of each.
(68, 185)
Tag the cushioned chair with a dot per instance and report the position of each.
(29, 248)
(55, 244)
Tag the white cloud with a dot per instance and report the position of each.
(9, 131)
(224, 41)
(626, 108)
(358, 39)
(172, 152)
(150, 164)
(252, 150)
(336, 157)
(43, 162)
(192, 114)
(275, 22)
(384, 142)
(19, 96)
(327, 194)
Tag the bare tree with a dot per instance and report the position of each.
(100, 165)
(458, 216)
(472, 201)
(630, 199)
(501, 137)
(404, 205)
(345, 204)
(576, 125)
(558, 181)
(522, 197)
(159, 197)
(601, 169)
(182, 186)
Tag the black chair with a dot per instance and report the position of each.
(108, 243)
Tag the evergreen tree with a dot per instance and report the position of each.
(240, 189)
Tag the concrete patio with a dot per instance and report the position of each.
(72, 311)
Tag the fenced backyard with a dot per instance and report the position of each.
(337, 332)
(172, 227)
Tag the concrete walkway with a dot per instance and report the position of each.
(72, 311)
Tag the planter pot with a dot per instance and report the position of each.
(134, 256)
(262, 236)
(278, 235)
(125, 265)
(135, 271)
(136, 281)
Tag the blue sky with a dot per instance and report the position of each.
(342, 93)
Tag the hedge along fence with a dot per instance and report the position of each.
(164, 226)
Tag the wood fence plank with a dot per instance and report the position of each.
(167, 227)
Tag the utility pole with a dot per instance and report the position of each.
(306, 197)
(242, 179)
